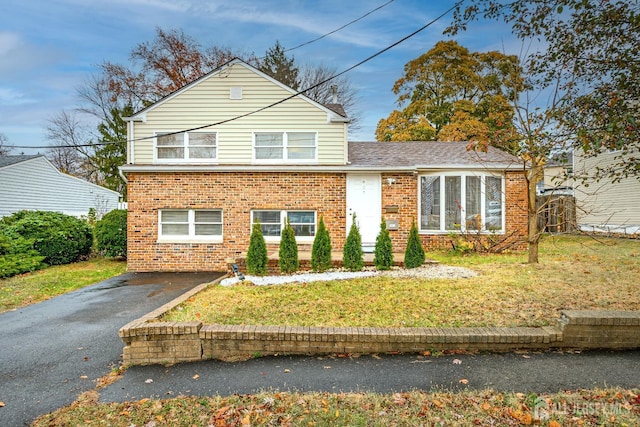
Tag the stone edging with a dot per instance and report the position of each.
(149, 341)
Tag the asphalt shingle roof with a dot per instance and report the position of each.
(427, 154)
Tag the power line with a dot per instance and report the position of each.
(340, 28)
(301, 92)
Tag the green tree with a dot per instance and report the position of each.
(257, 254)
(321, 249)
(414, 254)
(352, 257)
(450, 93)
(383, 253)
(288, 253)
(108, 157)
(589, 57)
(278, 65)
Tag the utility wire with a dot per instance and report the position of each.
(302, 92)
(340, 28)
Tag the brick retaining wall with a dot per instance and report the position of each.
(149, 341)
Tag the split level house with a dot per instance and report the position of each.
(236, 147)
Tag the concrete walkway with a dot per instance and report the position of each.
(52, 351)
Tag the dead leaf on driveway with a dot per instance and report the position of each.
(149, 381)
(464, 381)
(84, 377)
(1, 404)
(195, 377)
(457, 362)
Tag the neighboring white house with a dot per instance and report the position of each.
(605, 206)
(33, 183)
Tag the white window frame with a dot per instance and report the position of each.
(463, 226)
(186, 147)
(191, 222)
(285, 147)
(283, 217)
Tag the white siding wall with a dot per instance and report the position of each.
(604, 204)
(36, 185)
(208, 102)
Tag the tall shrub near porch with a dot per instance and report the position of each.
(257, 253)
(383, 253)
(288, 254)
(414, 254)
(321, 249)
(352, 257)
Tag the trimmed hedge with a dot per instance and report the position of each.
(414, 255)
(111, 234)
(17, 255)
(59, 238)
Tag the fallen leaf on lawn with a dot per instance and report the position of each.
(148, 381)
(438, 404)
(464, 381)
(554, 423)
(457, 362)
(195, 377)
(246, 421)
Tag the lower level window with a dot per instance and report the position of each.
(461, 202)
(272, 222)
(191, 223)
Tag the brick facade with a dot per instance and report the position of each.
(238, 193)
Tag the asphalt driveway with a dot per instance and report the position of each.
(52, 351)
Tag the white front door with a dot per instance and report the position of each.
(364, 199)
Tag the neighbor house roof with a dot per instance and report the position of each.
(12, 160)
(428, 155)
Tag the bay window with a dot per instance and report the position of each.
(461, 202)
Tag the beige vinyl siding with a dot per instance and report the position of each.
(208, 102)
(603, 203)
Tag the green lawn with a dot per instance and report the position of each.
(41, 285)
(574, 273)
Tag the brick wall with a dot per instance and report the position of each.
(147, 341)
(238, 193)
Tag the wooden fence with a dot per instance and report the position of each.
(556, 213)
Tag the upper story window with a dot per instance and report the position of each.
(461, 202)
(190, 224)
(285, 146)
(186, 146)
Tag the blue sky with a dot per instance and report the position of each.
(49, 47)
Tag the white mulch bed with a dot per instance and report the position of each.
(429, 271)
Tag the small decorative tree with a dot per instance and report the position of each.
(352, 251)
(288, 254)
(321, 250)
(383, 253)
(257, 253)
(414, 254)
